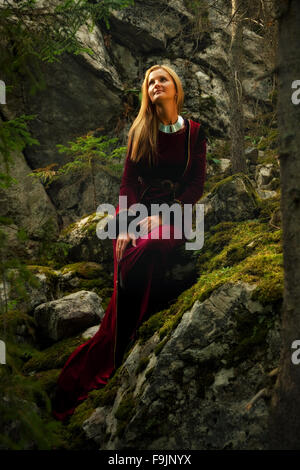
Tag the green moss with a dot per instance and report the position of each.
(211, 182)
(271, 289)
(53, 357)
(49, 272)
(125, 412)
(85, 269)
(33, 427)
(142, 365)
(15, 319)
(248, 251)
(269, 140)
(87, 227)
(74, 432)
(154, 323)
(104, 396)
(251, 333)
(268, 207)
(160, 346)
(17, 354)
(48, 379)
(67, 230)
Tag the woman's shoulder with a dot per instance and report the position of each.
(198, 129)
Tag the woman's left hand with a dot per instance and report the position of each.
(149, 223)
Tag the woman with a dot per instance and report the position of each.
(165, 162)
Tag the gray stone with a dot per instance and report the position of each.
(265, 174)
(90, 332)
(231, 200)
(30, 208)
(193, 399)
(69, 315)
(85, 245)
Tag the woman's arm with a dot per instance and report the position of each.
(129, 184)
(195, 185)
(129, 187)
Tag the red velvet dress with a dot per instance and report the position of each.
(92, 363)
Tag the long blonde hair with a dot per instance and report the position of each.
(142, 136)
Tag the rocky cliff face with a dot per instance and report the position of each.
(191, 392)
(85, 92)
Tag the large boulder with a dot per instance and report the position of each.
(194, 388)
(232, 199)
(30, 209)
(84, 243)
(69, 315)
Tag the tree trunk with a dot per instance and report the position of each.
(284, 422)
(238, 159)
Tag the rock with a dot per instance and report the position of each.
(195, 397)
(46, 288)
(69, 315)
(90, 332)
(265, 194)
(95, 426)
(225, 164)
(232, 199)
(276, 218)
(181, 270)
(251, 154)
(84, 242)
(29, 207)
(265, 175)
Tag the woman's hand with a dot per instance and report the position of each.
(149, 223)
(122, 241)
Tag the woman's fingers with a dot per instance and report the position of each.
(123, 246)
(133, 239)
(122, 242)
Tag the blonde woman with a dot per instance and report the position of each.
(165, 163)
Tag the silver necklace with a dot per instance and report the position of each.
(170, 128)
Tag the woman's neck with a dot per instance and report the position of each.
(167, 114)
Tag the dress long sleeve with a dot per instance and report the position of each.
(129, 184)
(195, 187)
(129, 187)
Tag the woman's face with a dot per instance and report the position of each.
(161, 86)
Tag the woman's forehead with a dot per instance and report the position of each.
(158, 72)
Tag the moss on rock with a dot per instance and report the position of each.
(15, 321)
(125, 412)
(246, 251)
(84, 269)
(53, 357)
(96, 398)
(142, 365)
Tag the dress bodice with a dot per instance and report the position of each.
(172, 156)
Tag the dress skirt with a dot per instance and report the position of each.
(137, 293)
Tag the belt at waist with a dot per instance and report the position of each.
(160, 183)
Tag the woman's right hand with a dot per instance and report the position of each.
(122, 241)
